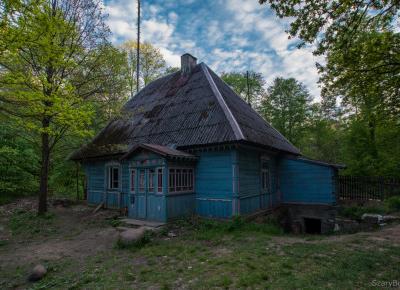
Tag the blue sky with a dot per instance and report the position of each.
(228, 35)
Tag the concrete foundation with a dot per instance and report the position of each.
(306, 218)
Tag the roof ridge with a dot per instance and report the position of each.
(225, 108)
(259, 115)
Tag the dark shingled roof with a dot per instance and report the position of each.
(182, 111)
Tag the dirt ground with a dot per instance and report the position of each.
(76, 233)
(80, 233)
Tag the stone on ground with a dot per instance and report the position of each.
(38, 272)
(372, 218)
(130, 236)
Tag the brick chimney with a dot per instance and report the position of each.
(188, 62)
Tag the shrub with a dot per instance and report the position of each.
(393, 203)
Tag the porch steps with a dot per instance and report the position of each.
(141, 223)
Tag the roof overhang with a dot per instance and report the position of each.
(164, 151)
(323, 163)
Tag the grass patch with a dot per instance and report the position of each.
(28, 223)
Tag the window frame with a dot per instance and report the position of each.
(110, 177)
(140, 188)
(158, 178)
(183, 180)
(265, 176)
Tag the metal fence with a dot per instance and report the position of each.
(367, 188)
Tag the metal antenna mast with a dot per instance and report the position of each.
(138, 48)
(248, 88)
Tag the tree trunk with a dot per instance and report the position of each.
(44, 172)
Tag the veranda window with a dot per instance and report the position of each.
(113, 177)
(265, 177)
(159, 180)
(181, 179)
(151, 180)
(141, 181)
(133, 180)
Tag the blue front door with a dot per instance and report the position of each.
(143, 188)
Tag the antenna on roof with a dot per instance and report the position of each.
(138, 47)
(248, 88)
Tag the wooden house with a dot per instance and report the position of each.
(188, 144)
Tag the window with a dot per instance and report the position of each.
(133, 180)
(181, 180)
(151, 180)
(171, 180)
(265, 179)
(141, 181)
(159, 180)
(113, 177)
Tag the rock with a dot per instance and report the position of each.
(38, 272)
(171, 234)
(130, 236)
(372, 218)
(390, 218)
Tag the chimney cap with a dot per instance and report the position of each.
(189, 55)
(188, 62)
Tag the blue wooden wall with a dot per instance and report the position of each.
(214, 183)
(251, 196)
(227, 183)
(306, 182)
(95, 181)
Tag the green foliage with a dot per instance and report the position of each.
(355, 212)
(18, 163)
(287, 106)
(58, 74)
(329, 22)
(393, 203)
(250, 88)
(152, 63)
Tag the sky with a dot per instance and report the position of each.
(227, 35)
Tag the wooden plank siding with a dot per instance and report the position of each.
(214, 183)
(305, 182)
(251, 197)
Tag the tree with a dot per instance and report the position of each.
(286, 106)
(367, 75)
(55, 60)
(250, 88)
(330, 22)
(322, 136)
(152, 63)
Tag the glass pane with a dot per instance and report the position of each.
(171, 180)
(178, 179)
(141, 181)
(160, 180)
(151, 180)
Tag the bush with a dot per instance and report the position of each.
(393, 203)
(355, 212)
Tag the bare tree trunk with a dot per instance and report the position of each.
(44, 172)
